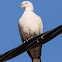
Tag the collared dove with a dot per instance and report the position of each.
(30, 25)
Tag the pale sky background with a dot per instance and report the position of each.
(51, 13)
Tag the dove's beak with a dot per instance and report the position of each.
(20, 7)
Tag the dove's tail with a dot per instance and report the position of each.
(36, 60)
(35, 53)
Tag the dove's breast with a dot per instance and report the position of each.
(29, 25)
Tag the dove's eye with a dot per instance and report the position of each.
(26, 3)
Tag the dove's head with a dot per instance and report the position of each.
(26, 4)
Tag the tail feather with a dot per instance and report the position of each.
(36, 60)
(35, 53)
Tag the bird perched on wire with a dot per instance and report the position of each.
(30, 25)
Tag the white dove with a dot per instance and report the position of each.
(30, 25)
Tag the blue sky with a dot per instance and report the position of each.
(51, 13)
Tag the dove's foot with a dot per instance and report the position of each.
(27, 40)
(37, 41)
(42, 37)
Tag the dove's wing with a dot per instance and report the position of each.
(41, 27)
(20, 34)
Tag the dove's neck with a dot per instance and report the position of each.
(28, 9)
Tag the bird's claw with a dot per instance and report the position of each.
(27, 40)
(38, 41)
(24, 42)
(42, 37)
(30, 38)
